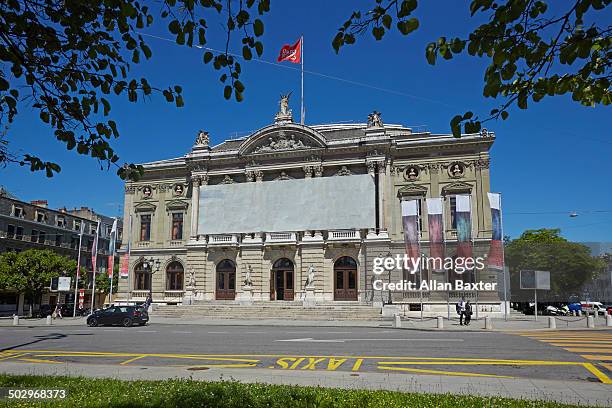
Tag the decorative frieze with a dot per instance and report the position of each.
(344, 171)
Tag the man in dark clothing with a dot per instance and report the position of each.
(461, 310)
(468, 313)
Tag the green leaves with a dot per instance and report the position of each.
(408, 26)
(470, 124)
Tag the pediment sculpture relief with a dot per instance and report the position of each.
(281, 142)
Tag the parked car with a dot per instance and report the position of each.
(594, 307)
(118, 315)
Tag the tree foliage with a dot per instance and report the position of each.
(67, 60)
(30, 272)
(532, 50)
(570, 264)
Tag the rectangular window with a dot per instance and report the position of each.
(19, 234)
(77, 225)
(17, 211)
(60, 222)
(177, 226)
(10, 231)
(58, 240)
(145, 227)
(74, 242)
(453, 211)
(40, 216)
(34, 236)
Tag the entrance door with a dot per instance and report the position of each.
(226, 280)
(345, 279)
(281, 280)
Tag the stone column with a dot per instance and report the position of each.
(196, 182)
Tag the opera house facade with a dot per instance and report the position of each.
(298, 213)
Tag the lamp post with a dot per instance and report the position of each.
(151, 265)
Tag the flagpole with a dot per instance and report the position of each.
(302, 96)
(76, 283)
(501, 229)
(111, 259)
(94, 259)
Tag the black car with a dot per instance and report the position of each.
(124, 315)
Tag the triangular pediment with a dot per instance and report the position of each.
(412, 190)
(144, 207)
(457, 187)
(175, 205)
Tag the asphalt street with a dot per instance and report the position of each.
(351, 349)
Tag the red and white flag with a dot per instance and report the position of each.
(291, 53)
(94, 248)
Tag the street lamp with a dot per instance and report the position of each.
(151, 265)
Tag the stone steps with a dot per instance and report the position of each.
(269, 311)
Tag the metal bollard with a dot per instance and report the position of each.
(609, 320)
(590, 322)
(49, 321)
(440, 322)
(552, 323)
(15, 320)
(397, 321)
(488, 323)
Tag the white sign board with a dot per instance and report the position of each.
(535, 279)
(338, 202)
(63, 284)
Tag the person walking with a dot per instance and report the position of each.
(468, 313)
(461, 310)
(58, 311)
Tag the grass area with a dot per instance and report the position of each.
(88, 392)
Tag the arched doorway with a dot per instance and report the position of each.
(142, 277)
(174, 276)
(345, 279)
(226, 280)
(281, 280)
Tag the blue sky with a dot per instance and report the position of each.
(551, 159)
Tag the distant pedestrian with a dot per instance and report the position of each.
(58, 311)
(468, 313)
(461, 310)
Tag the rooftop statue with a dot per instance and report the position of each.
(375, 119)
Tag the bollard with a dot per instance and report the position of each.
(49, 320)
(15, 320)
(590, 322)
(488, 323)
(552, 323)
(441, 322)
(609, 320)
(397, 321)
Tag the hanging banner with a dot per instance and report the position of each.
(436, 230)
(124, 270)
(464, 226)
(411, 231)
(496, 252)
(81, 298)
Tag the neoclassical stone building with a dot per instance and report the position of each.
(260, 212)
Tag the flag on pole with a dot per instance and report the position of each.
(464, 226)
(94, 249)
(436, 229)
(496, 252)
(78, 274)
(111, 249)
(291, 53)
(411, 231)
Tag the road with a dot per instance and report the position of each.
(568, 356)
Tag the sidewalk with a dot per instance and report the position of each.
(526, 323)
(568, 392)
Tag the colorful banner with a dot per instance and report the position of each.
(496, 252)
(436, 229)
(111, 249)
(464, 226)
(410, 216)
(81, 298)
(94, 250)
(291, 53)
(124, 269)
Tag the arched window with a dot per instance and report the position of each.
(345, 262)
(174, 276)
(283, 263)
(142, 277)
(281, 282)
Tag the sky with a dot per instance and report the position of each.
(547, 161)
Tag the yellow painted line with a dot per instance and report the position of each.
(596, 357)
(35, 360)
(597, 373)
(551, 363)
(224, 365)
(14, 356)
(237, 357)
(357, 364)
(455, 373)
(588, 350)
(131, 359)
(183, 356)
(582, 345)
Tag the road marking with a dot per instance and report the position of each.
(597, 373)
(181, 332)
(357, 364)
(454, 373)
(147, 331)
(596, 357)
(14, 356)
(132, 359)
(588, 350)
(311, 340)
(36, 360)
(215, 332)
